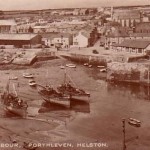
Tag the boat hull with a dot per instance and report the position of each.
(84, 98)
(63, 101)
(21, 112)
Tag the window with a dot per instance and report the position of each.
(139, 50)
(75, 43)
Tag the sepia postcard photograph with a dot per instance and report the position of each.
(74, 74)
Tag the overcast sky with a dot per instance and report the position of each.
(46, 4)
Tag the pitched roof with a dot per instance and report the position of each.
(55, 35)
(139, 35)
(85, 34)
(7, 22)
(83, 10)
(134, 44)
(125, 14)
(118, 34)
(17, 36)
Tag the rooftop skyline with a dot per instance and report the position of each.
(52, 4)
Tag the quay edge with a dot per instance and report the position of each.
(137, 73)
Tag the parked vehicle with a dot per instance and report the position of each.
(95, 51)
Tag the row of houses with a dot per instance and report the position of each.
(133, 46)
(75, 12)
(67, 40)
(57, 40)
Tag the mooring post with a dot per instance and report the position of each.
(124, 138)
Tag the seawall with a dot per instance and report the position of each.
(128, 72)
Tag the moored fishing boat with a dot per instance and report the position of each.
(63, 101)
(50, 95)
(74, 92)
(13, 104)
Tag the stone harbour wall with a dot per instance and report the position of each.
(128, 72)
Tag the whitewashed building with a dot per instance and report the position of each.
(8, 26)
(62, 40)
(81, 40)
(40, 29)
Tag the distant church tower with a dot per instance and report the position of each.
(112, 12)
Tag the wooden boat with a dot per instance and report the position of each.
(64, 100)
(28, 75)
(90, 66)
(134, 122)
(103, 70)
(32, 83)
(16, 111)
(85, 64)
(13, 78)
(52, 96)
(71, 65)
(13, 104)
(73, 91)
(62, 67)
(100, 66)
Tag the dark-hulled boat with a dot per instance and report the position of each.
(73, 92)
(52, 96)
(13, 104)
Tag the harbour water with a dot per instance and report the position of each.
(99, 121)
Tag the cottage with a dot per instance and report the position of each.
(40, 29)
(81, 39)
(76, 12)
(115, 35)
(133, 46)
(8, 26)
(61, 40)
(143, 27)
(143, 36)
(83, 12)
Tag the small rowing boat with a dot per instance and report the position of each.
(28, 75)
(71, 65)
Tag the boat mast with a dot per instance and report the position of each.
(65, 76)
(148, 80)
(46, 76)
(15, 90)
(7, 86)
(72, 81)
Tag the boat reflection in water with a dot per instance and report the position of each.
(129, 90)
(77, 106)
(80, 106)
